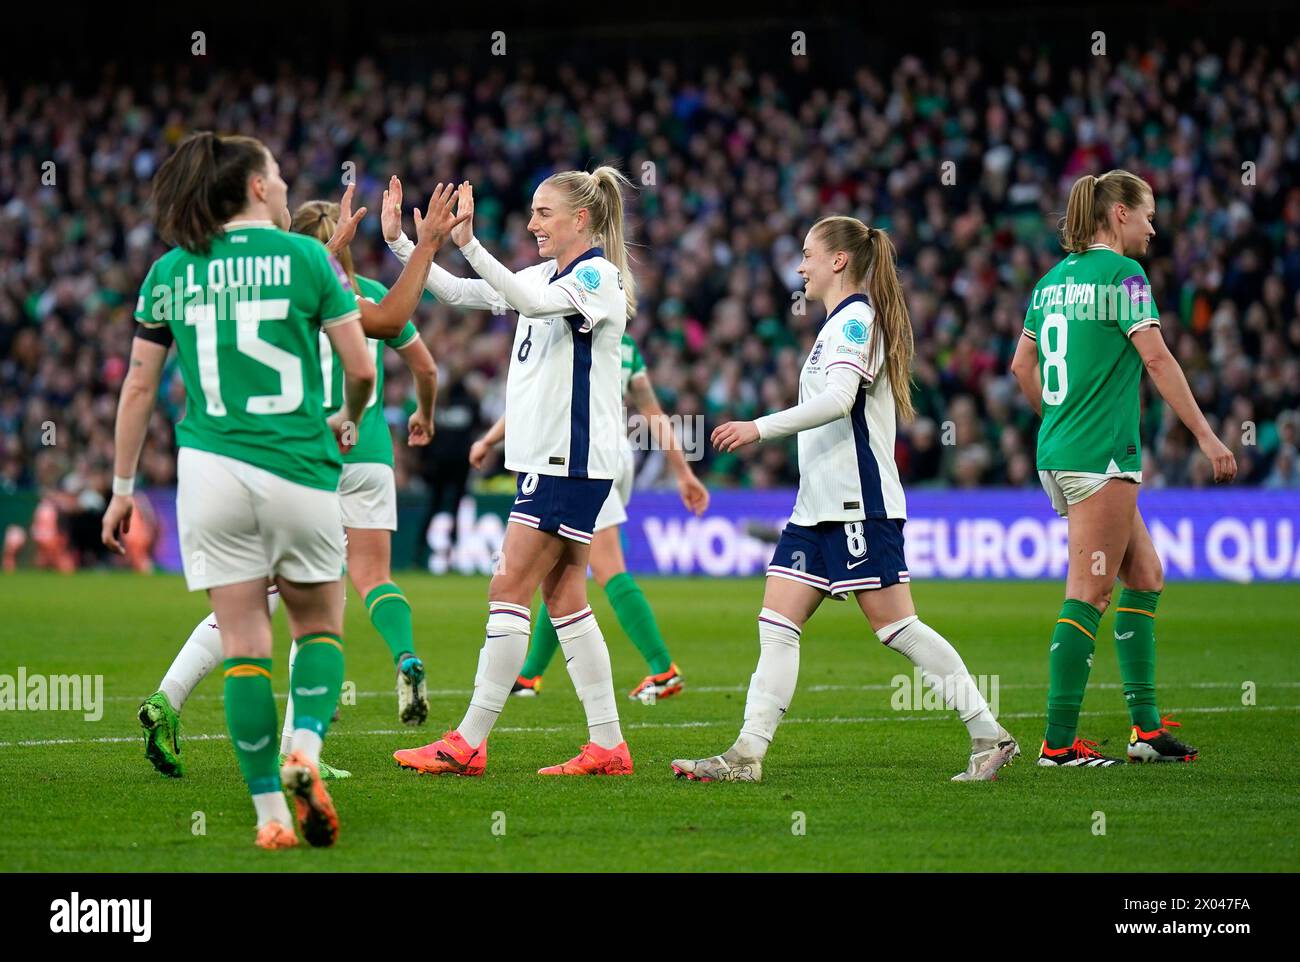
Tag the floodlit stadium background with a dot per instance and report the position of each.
(960, 135)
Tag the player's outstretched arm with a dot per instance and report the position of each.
(424, 370)
(1169, 380)
(134, 407)
(468, 293)
(842, 385)
(526, 293)
(479, 450)
(694, 494)
(1024, 367)
(387, 318)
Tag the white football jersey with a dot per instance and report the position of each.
(846, 468)
(564, 406)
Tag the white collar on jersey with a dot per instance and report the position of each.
(589, 253)
(245, 224)
(855, 298)
(1100, 247)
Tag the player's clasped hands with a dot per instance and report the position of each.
(734, 435)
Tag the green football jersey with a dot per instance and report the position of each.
(246, 319)
(374, 441)
(633, 363)
(1081, 315)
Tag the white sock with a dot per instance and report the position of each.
(503, 654)
(308, 742)
(942, 670)
(286, 733)
(198, 656)
(271, 807)
(587, 658)
(771, 686)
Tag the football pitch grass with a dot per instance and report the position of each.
(851, 783)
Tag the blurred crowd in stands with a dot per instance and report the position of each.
(965, 163)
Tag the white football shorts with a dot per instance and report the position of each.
(1065, 488)
(368, 496)
(238, 523)
(614, 511)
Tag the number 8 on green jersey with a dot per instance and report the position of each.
(1082, 314)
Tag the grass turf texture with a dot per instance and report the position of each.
(871, 782)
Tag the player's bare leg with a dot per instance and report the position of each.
(787, 606)
(1101, 527)
(894, 620)
(527, 556)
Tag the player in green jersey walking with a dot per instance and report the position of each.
(384, 315)
(608, 566)
(258, 466)
(1090, 330)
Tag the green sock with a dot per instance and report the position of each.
(1069, 661)
(317, 678)
(1135, 643)
(252, 721)
(638, 621)
(541, 646)
(390, 613)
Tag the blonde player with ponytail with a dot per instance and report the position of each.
(1091, 328)
(845, 536)
(565, 434)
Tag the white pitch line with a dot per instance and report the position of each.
(731, 689)
(835, 720)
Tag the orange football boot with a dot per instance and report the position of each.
(273, 835)
(449, 755)
(594, 760)
(527, 687)
(317, 819)
(654, 688)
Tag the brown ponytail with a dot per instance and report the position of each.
(601, 192)
(872, 261)
(203, 185)
(1091, 198)
(318, 218)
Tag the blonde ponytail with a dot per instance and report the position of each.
(1088, 210)
(601, 193)
(872, 261)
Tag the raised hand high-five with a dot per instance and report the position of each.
(440, 220)
(464, 232)
(347, 225)
(390, 214)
